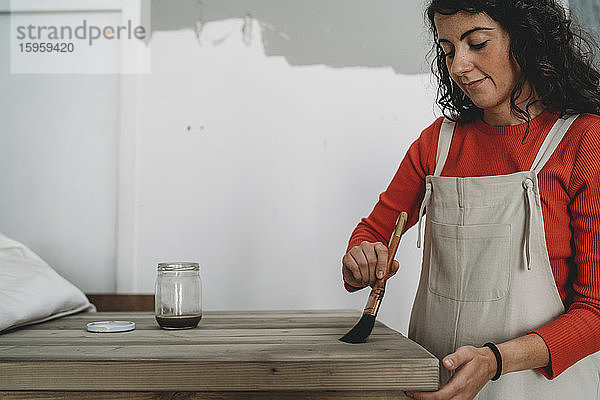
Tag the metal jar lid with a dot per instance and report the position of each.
(110, 326)
(178, 266)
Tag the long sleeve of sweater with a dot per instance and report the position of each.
(576, 333)
(404, 193)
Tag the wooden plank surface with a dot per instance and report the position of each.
(229, 351)
(272, 395)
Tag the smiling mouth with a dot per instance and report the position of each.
(475, 83)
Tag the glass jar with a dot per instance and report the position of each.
(178, 298)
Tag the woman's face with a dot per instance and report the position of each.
(478, 59)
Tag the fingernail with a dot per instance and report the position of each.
(379, 274)
(448, 363)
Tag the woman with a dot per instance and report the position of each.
(510, 182)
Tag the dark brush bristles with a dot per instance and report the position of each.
(361, 330)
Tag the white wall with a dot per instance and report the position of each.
(260, 170)
(254, 164)
(58, 166)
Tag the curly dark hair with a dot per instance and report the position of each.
(555, 55)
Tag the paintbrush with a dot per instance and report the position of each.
(361, 331)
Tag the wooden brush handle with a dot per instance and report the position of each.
(379, 288)
(393, 247)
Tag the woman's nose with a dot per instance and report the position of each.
(461, 63)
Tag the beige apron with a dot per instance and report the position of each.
(486, 275)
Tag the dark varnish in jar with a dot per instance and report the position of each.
(179, 322)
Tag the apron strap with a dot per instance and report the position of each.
(443, 147)
(530, 210)
(551, 142)
(424, 204)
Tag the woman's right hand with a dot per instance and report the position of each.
(366, 263)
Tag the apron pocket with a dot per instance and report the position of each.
(470, 263)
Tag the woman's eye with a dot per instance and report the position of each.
(473, 46)
(479, 45)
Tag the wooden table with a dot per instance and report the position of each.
(231, 355)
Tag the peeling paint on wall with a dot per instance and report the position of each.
(247, 30)
(337, 33)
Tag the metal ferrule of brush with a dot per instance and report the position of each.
(374, 301)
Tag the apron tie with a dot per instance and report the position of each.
(424, 204)
(528, 186)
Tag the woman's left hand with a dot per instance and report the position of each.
(473, 367)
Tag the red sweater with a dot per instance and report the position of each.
(569, 187)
